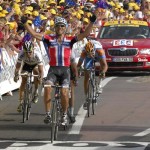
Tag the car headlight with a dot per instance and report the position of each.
(145, 51)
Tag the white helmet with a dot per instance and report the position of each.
(60, 20)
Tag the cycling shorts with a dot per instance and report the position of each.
(28, 68)
(60, 74)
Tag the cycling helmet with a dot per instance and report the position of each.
(60, 20)
(89, 47)
(28, 46)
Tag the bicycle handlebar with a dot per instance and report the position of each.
(28, 74)
(53, 86)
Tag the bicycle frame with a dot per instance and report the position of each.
(92, 88)
(27, 100)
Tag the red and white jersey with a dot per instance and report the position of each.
(59, 53)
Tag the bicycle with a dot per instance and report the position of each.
(56, 111)
(27, 99)
(92, 94)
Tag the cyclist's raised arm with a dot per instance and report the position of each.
(87, 31)
(32, 32)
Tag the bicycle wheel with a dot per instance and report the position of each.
(89, 98)
(28, 110)
(53, 124)
(25, 106)
(94, 98)
(57, 122)
(29, 100)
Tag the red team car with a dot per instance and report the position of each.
(126, 44)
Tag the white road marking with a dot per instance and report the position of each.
(105, 81)
(76, 127)
(74, 145)
(147, 131)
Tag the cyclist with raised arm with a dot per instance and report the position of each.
(32, 62)
(92, 52)
(59, 47)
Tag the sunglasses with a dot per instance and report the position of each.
(28, 52)
(45, 11)
(60, 25)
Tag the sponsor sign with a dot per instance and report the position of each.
(123, 43)
(122, 59)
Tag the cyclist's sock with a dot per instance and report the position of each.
(36, 92)
(71, 111)
(64, 113)
(48, 113)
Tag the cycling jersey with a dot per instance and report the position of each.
(35, 60)
(59, 53)
(98, 54)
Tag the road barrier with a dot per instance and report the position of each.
(8, 67)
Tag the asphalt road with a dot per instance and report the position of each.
(121, 121)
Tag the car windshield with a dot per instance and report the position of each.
(127, 32)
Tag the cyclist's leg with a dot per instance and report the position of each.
(65, 99)
(51, 78)
(36, 84)
(25, 68)
(99, 86)
(71, 102)
(65, 81)
(71, 98)
(21, 93)
(99, 89)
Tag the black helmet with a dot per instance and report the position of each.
(28, 46)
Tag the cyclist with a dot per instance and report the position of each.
(32, 61)
(92, 51)
(58, 47)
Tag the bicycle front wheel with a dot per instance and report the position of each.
(57, 124)
(94, 99)
(29, 101)
(53, 124)
(89, 98)
(28, 110)
(24, 110)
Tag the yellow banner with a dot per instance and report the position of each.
(126, 23)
